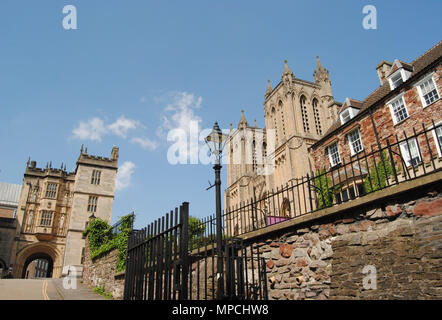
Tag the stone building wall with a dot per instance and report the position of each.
(7, 233)
(325, 259)
(100, 272)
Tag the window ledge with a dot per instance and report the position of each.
(402, 121)
(429, 105)
(354, 154)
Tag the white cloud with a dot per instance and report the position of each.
(122, 126)
(94, 129)
(124, 175)
(145, 143)
(180, 121)
(180, 112)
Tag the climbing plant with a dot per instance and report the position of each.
(102, 240)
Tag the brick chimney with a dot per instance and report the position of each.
(383, 68)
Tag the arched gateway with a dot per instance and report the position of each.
(39, 251)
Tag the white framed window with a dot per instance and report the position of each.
(399, 76)
(348, 114)
(354, 138)
(437, 135)
(333, 153)
(46, 218)
(396, 80)
(345, 116)
(398, 109)
(428, 91)
(410, 152)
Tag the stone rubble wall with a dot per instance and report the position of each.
(101, 273)
(325, 259)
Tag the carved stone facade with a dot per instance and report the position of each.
(54, 208)
(297, 114)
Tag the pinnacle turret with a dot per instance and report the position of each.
(242, 120)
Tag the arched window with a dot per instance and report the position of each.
(275, 125)
(254, 155)
(280, 105)
(316, 115)
(304, 114)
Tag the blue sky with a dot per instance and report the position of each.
(136, 68)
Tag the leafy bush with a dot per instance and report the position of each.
(101, 239)
(101, 291)
(377, 179)
(325, 192)
(98, 233)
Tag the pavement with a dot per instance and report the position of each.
(46, 289)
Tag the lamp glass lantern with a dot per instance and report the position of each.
(216, 141)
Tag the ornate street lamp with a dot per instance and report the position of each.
(216, 141)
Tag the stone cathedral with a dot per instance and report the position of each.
(298, 112)
(54, 209)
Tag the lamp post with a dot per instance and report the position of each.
(216, 141)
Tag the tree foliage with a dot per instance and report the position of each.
(378, 174)
(325, 192)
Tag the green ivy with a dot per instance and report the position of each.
(101, 239)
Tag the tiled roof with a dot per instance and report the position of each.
(9, 194)
(420, 63)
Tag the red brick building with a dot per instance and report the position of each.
(397, 118)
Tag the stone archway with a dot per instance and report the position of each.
(35, 257)
(38, 251)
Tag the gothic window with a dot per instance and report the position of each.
(254, 155)
(51, 191)
(275, 126)
(92, 204)
(46, 218)
(304, 114)
(317, 118)
(96, 177)
(282, 117)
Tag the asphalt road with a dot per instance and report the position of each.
(28, 289)
(44, 289)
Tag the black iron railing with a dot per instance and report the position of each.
(168, 261)
(399, 160)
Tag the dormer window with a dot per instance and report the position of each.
(400, 72)
(348, 114)
(396, 80)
